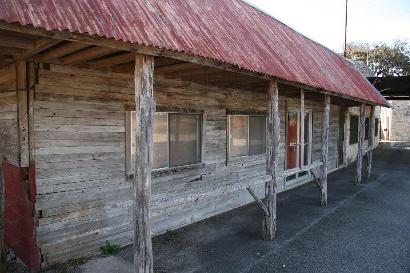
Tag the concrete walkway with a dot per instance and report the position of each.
(363, 229)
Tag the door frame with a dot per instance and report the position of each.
(298, 177)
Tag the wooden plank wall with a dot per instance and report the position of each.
(8, 116)
(84, 198)
(352, 149)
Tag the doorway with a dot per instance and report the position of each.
(297, 155)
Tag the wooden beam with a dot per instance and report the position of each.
(22, 112)
(371, 141)
(175, 68)
(324, 152)
(272, 160)
(199, 72)
(40, 45)
(345, 116)
(23, 54)
(126, 68)
(3, 252)
(160, 52)
(15, 52)
(31, 81)
(362, 128)
(86, 55)
(145, 109)
(62, 50)
(302, 127)
(259, 201)
(112, 61)
(16, 42)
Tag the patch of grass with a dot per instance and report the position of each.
(109, 249)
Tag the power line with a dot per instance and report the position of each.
(345, 51)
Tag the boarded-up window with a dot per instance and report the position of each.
(354, 130)
(176, 139)
(247, 135)
(376, 127)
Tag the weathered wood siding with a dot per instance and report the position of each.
(84, 197)
(352, 149)
(8, 117)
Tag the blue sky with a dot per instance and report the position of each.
(323, 20)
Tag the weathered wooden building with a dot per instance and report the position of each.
(211, 103)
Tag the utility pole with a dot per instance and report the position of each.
(345, 51)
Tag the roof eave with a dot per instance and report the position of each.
(162, 52)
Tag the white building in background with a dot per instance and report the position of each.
(395, 122)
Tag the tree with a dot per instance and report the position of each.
(382, 59)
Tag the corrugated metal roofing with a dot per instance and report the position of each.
(230, 31)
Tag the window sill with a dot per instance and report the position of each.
(175, 170)
(245, 158)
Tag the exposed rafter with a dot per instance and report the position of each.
(15, 52)
(62, 50)
(16, 42)
(86, 55)
(112, 61)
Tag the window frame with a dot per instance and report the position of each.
(200, 135)
(130, 137)
(228, 132)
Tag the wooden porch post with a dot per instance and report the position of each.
(362, 128)
(22, 116)
(324, 153)
(272, 159)
(302, 127)
(3, 258)
(144, 110)
(371, 142)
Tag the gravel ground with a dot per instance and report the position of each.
(363, 229)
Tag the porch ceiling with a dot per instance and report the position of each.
(15, 46)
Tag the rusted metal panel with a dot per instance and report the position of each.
(19, 224)
(229, 31)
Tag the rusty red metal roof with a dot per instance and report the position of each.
(229, 31)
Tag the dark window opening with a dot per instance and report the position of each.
(366, 130)
(354, 130)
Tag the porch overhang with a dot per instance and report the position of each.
(38, 40)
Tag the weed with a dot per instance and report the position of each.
(109, 249)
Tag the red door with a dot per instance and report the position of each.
(292, 141)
